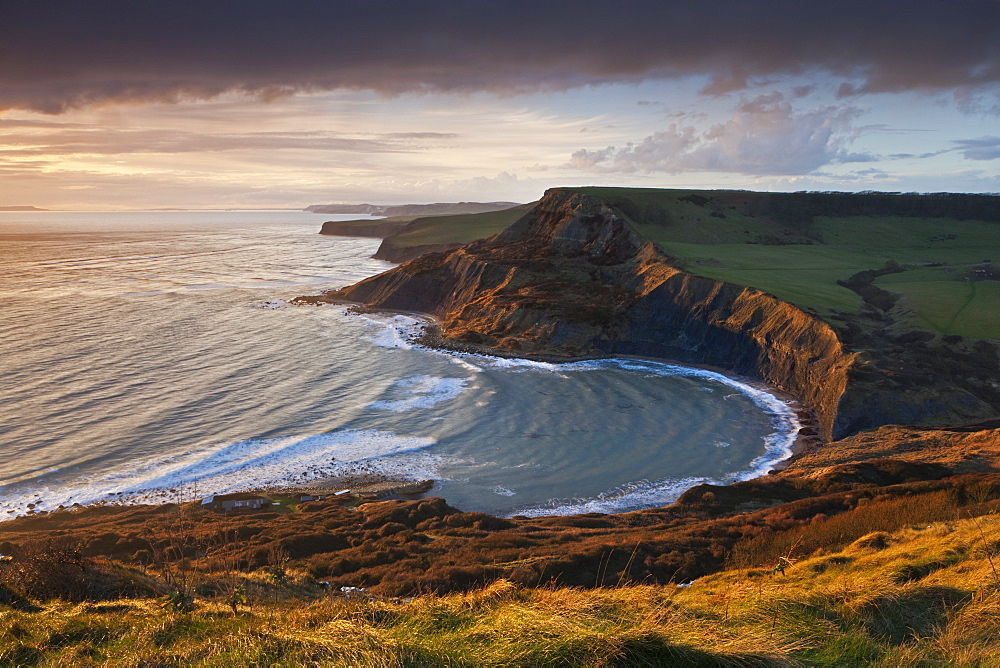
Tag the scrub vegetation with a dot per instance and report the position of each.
(846, 557)
(926, 594)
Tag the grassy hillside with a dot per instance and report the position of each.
(932, 256)
(457, 229)
(851, 559)
(925, 595)
(438, 233)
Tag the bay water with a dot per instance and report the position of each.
(152, 356)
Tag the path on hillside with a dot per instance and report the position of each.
(954, 316)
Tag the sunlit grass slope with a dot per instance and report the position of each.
(925, 595)
(802, 246)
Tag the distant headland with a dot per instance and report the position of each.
(439, 208)
(21, 208)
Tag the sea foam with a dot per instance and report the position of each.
(641, 494)
(399, 331)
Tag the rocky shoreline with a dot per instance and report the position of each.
(368, 485)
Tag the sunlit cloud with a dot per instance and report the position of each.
(96, 141)
(763, 136)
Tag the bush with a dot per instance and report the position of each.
(44, 570)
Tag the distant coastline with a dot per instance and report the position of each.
(22, 208)
(436, 209)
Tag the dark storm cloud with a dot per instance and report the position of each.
(58, 54)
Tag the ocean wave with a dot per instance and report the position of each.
(421, 392)
(642, 494)
(150, 293)
(777, 445)
(247, 464)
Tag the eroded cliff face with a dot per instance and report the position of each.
(573, 278)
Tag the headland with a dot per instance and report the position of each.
(861, 306)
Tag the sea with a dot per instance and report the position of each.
(154, 356)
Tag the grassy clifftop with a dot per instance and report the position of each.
(910, 282)
(438, 233)
(928, 262)
(872, 308)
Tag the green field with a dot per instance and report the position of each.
(797, 246)
(948, 306)
(803, 275)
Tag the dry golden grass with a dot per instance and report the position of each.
(962, 451)
(925, 595)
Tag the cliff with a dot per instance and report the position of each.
(574, 278)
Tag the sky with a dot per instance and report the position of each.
(118, 104)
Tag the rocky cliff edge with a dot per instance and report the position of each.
(573, 278)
